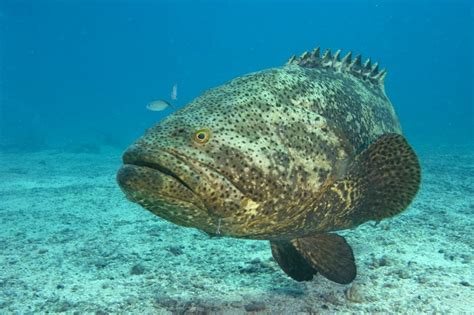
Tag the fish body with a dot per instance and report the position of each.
(286, 154)
(158, 105)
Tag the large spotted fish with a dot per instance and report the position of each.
(288, 154)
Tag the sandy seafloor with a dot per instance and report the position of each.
(71, 242)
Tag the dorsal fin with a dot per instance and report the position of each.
(365, 71)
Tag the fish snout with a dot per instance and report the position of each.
(132, 155)
(132, 176)
(126, 178)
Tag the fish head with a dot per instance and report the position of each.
(235, 161)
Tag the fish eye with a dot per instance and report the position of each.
(202, 136)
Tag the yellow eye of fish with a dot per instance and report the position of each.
(202, 136)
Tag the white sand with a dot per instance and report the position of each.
(69, 242)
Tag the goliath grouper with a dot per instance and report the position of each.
(288, 154)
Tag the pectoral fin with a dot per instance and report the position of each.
(328, 254)
(379, 183)
(291, 261)
(386, 177)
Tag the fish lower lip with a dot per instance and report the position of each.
(161, 169)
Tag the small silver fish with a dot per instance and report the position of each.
(158, 105)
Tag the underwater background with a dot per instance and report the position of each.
(75, 79)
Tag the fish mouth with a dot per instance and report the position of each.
(155, 173)
(162, 169)
(163, 184)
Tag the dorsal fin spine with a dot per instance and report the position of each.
(347, 58)
(381, 76)
(367, 64)
(375, 69)
(327, 54)
(355, 65)
(315, 52)
(366, 71)
(292, 60)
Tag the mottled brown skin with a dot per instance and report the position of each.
(279, 140)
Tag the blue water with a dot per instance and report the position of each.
(75, 77)
(84, 70)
